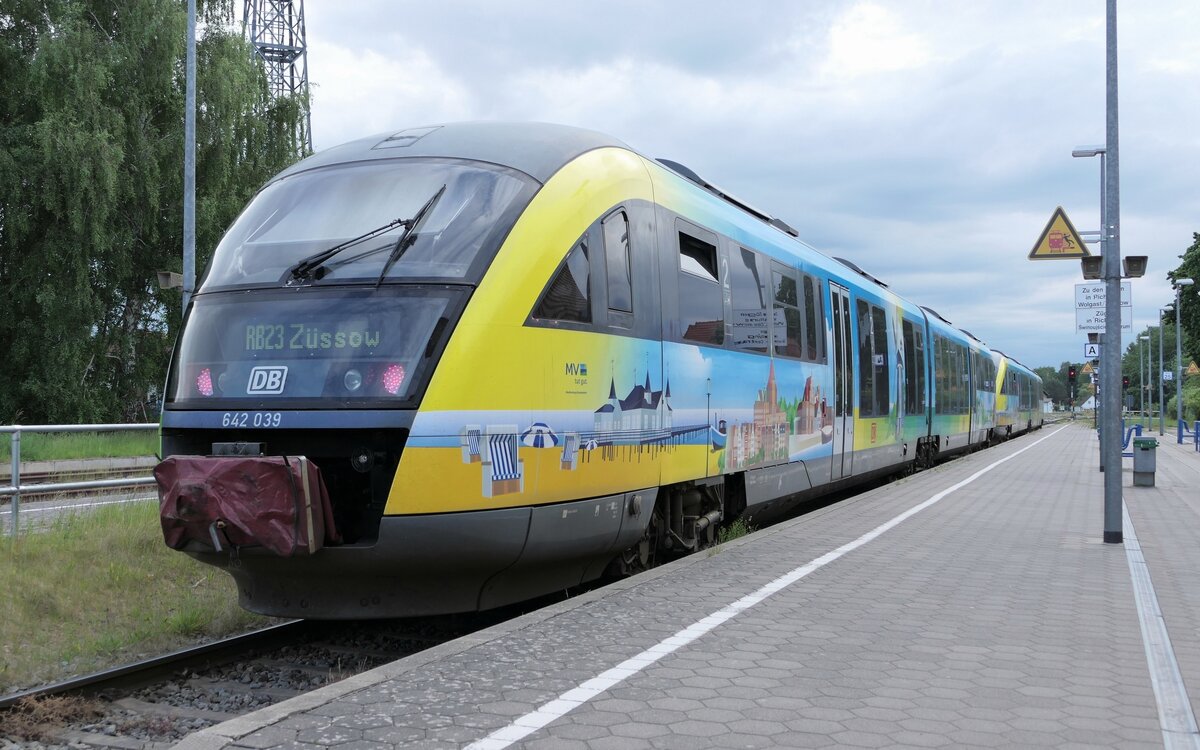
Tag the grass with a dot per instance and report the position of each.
(738, 528)
(100, 588)
(50, 446)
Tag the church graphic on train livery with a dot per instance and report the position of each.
(779, 429)
(643, 413)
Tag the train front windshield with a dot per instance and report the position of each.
(305, 214)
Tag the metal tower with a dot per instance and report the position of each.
(275, 29)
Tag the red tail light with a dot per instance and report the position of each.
(393, 378)
(204, 382)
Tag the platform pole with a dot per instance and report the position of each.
(1111, 353)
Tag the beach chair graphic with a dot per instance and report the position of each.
(503, 469)
(570, 454)
(469, 439)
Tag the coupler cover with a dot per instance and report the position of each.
(220, 502)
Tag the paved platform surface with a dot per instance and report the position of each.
(928, 613)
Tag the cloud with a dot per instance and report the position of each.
(871, 39)
(357, 92)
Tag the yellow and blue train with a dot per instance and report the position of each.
(523, 355)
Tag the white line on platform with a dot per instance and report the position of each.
(572, 699)
(1174, 708)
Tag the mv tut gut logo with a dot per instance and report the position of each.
(267, 381)
(576, 371)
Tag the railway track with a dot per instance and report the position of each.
(155, 703)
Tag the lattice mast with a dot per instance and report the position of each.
(275, 30)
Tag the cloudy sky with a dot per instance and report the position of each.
(927, 141)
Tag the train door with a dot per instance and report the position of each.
(843, 383)
(901, 411)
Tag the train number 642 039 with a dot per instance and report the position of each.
(251, 419)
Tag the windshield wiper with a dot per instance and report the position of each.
(310, 266)
(409, 236)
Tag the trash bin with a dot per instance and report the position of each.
(1144, 461)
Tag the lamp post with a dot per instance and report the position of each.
(189, 162)
(1179, 285)
(1161, 395)
(1142, 358)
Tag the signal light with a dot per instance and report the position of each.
(1071, 374)
(1124, 381)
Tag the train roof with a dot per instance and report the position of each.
(535, 148)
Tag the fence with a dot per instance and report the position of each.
(15, 487)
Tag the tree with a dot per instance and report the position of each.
(1189, 311)
(1054, 384)
(91, 162)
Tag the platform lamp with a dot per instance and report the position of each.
(1162, 400)
(1143, 358)
(1179, 285)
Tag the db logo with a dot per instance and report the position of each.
(266, 380)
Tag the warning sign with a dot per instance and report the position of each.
(1192, 369)
(1087, 366)
(1059, 240)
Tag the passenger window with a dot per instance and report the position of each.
(866, 354)
(750, 325)
(914, 369)
(814, 322)
(701, 309)
(883, 373)
(616, 250)
(787, 321)
(872, 357)
(569, 295)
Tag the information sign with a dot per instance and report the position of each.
(1093, 295)
(1092, 321)
(1089, 307)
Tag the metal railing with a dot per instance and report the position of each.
(15, 487)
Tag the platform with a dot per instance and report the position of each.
(973, 605)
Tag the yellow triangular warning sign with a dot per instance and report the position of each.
(1059, 240)
(1087, 368)
(1192, 369)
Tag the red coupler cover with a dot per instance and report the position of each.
(277, 502)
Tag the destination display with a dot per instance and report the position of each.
(286, 336)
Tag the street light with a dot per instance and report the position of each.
(1094, 270)
(1141, 374)
(1093, 267)
(1161, 395)
(1179, 285)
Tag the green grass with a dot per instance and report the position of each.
(738, 528)
(51, 446)
(100, 588)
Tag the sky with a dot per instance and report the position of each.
(929, 142)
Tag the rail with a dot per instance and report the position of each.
(15, 487)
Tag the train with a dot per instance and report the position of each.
(515, 358)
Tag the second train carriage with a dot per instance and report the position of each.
(524, 354)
